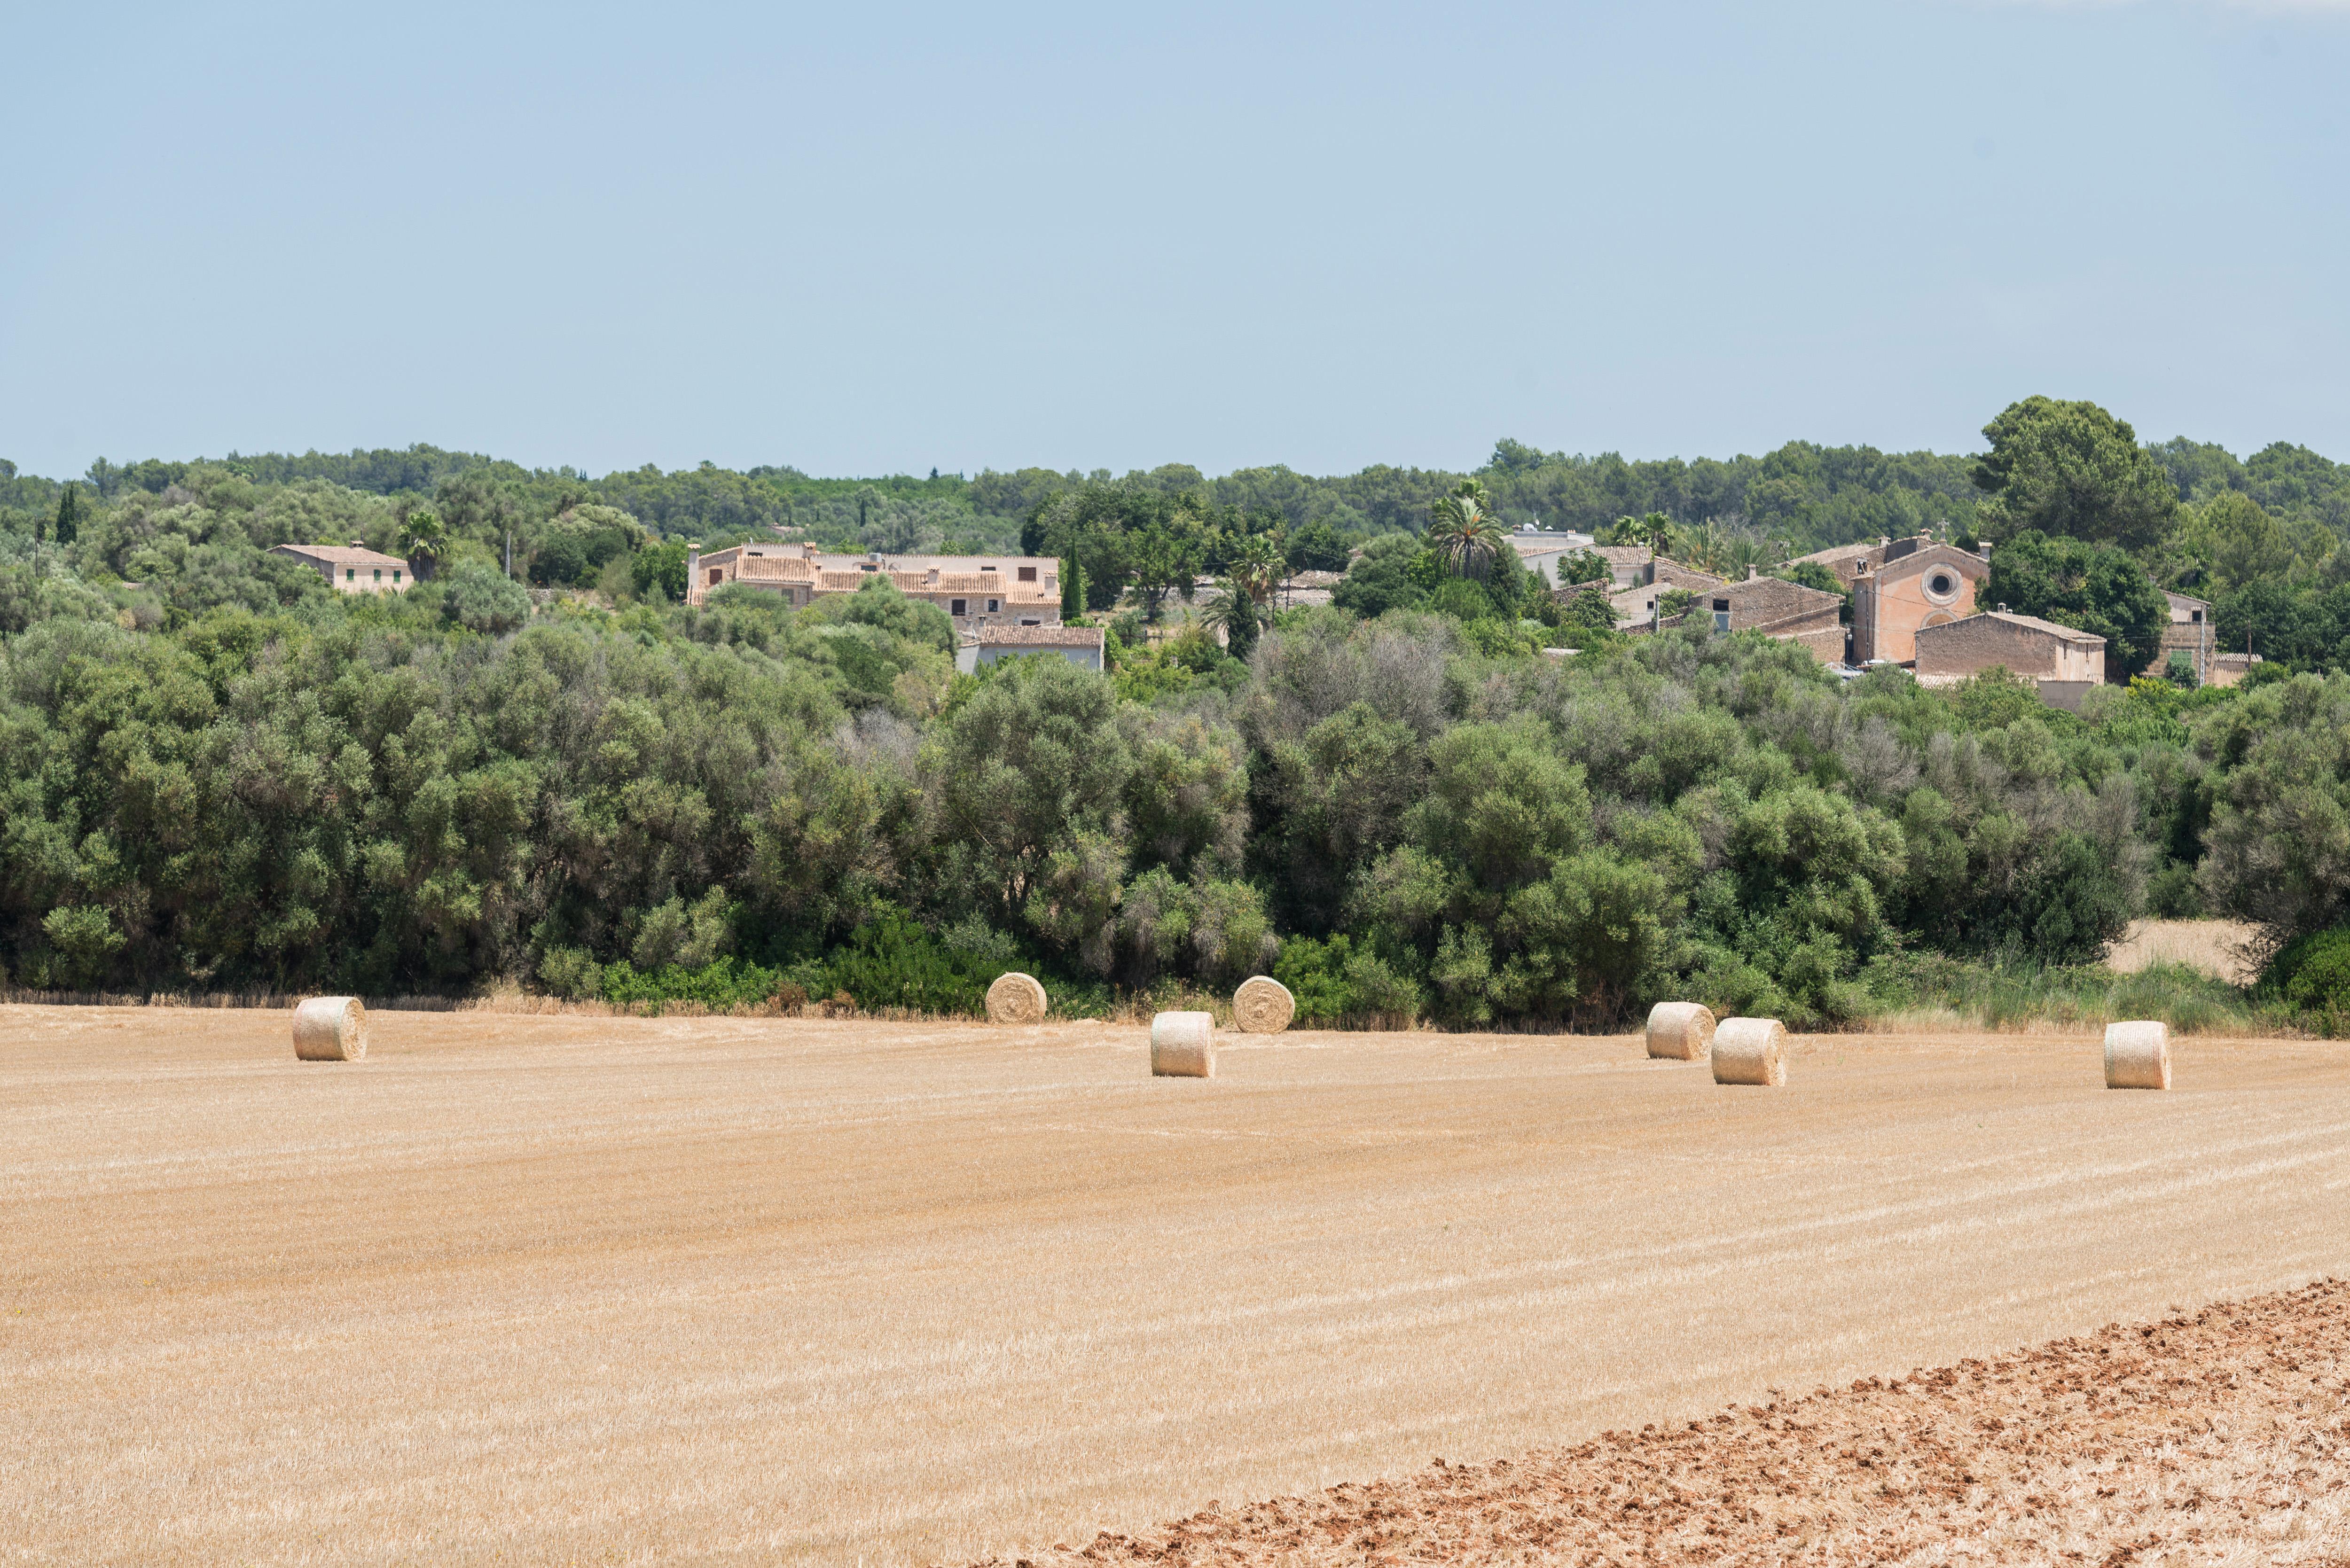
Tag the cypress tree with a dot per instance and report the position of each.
(1073, 589)
(69, 515)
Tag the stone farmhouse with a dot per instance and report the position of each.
(977, 591)
(1771, 606)
(1080, 644)
(2064, 663)
(1636, 606)
(2190, 632)
(1777, 607)
(353, 568)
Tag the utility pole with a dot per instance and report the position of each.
(509, 552)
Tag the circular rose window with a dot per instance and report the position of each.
(1942, 586)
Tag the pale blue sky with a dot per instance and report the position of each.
(876, 238)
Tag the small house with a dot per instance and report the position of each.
(1080, 644)
(353, 568)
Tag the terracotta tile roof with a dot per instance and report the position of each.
(340, 555)
(1036, 636)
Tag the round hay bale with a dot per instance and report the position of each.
(2137, 1056)
(1751, 1051)
(1183, 1046)
(1263, 1006)
(331, 1029)
(1680, 1031)
(1016, 998)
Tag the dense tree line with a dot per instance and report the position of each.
(216, 772)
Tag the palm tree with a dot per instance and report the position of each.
(423, 539)
(1234, 611)
(1655, 531)
(1463, 531)
(1258, 568)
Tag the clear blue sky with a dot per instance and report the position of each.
(877, 238)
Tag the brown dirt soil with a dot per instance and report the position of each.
(577, 1288)
(2222, 1438)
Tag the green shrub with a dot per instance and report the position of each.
(893, 961)
(718, 985)
(1336, 983)
(481, 598)
(2312, 975)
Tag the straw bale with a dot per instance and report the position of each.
(331, 1029)
(2137, 1056)
(1016, 998)
(1183, 1046)
(1680, 1031)
(1263, 1005)
(1751, 1051)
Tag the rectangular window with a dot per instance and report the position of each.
(1028, 574)
(395, 573)
(350, 574)
(716, 574)
(958, 607)
(992, 607)
(378, 574)
(1031, 623)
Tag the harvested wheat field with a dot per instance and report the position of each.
(569, 1289)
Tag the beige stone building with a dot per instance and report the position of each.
(1082, 646)
(1777, 607)
(975, 590)
(2188, 632)
(1636, 606)
(1771, 606)
(1927, 584)
(2229, 668)
(2064, 663)
(353, 568)
(1631, 564)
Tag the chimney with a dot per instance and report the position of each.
(693, 574)
(2002, 609)
(358, 543)
(1753, 571)
(1983, 548)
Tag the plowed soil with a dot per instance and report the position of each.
(2220, 1438)
(583, 1290)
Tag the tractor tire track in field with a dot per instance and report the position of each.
(2219, 1438)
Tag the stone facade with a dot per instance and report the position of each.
(1636, 606)
(2064, 663)
(2188, 632)
(2228, 669)
(1631, 564)
(353, 568)
(976, 591)
(1910, 585)
(1777, 607)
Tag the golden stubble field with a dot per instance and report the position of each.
(568, 1289)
